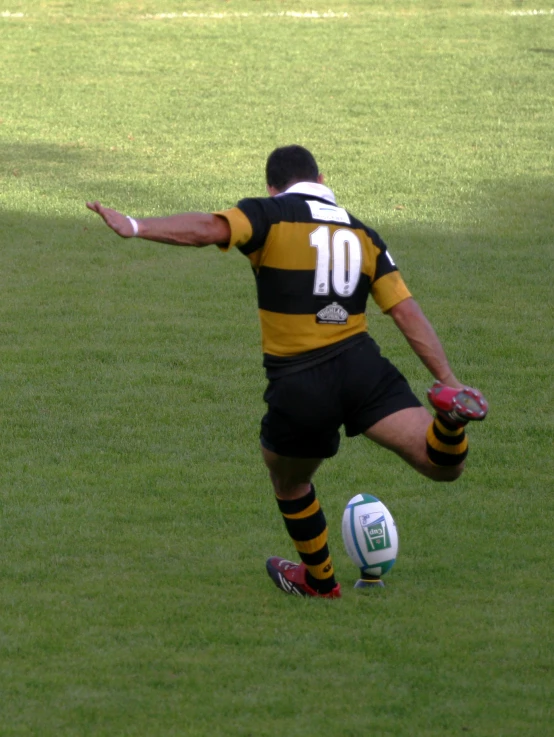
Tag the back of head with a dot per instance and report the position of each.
(288, 165)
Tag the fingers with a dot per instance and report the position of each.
(94, 206)
(115, 220)
(105, 212)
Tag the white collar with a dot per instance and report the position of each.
(311, 188)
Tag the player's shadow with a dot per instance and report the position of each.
(499, 252)
(82, 172)
(484, 284)
(56, 172)
(39, 157)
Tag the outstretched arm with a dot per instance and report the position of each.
(188, 229)
(421, 336)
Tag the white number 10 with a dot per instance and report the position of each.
(346, 264)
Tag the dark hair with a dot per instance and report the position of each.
(290, 164)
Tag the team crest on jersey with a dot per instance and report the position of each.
(333, 314)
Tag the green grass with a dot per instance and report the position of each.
(135, 512)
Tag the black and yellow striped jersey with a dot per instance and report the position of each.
(315, 265)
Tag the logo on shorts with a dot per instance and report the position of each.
(333, 314)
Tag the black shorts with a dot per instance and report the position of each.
(356, 389)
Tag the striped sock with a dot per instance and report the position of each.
(305, 523)
(446, 443)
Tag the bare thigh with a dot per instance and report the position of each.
(405, 432)
(291, 477)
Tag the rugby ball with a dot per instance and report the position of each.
(369, 535)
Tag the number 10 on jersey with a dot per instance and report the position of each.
(340, 256)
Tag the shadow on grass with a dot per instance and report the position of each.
(39, 157)
(77, 171)
(506, 242)
(498, 261)
(486, 288)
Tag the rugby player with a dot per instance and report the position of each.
(315, 265)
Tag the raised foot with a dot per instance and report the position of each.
(457, 405)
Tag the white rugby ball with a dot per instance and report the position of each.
(369, 534)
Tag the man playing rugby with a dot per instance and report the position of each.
(315, 265)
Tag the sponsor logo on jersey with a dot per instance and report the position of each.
(333, 314)
(328, 213)
(375, 531)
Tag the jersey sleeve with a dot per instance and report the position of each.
(389, 290)
(241, 230)
(388, 287)
(249, 222)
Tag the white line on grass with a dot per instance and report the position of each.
(310, 15)
(306, 15)
(530, 12)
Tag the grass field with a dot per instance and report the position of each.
(136, 515)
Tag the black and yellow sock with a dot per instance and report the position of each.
(305, 523)
(446, 443)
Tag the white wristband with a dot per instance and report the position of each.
(134, 225)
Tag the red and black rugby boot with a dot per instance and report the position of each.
(458, 406)
(291, 578)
